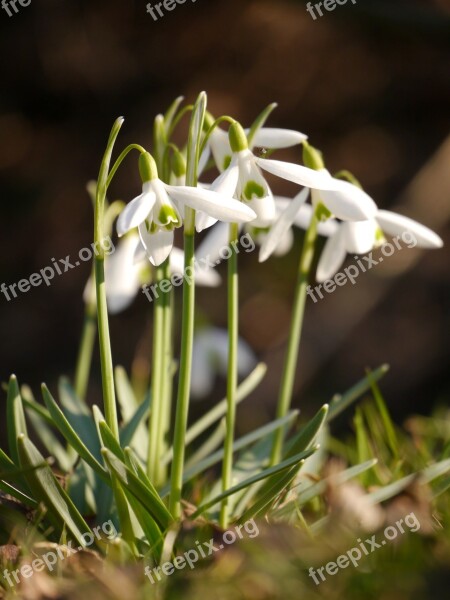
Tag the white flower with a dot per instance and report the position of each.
(160, 209)
(293, 212)
(210, 358)
(343, 199)
(364, 236)
(122, 276)
(266, 137)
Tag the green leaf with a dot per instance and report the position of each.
(128, 431)
(385, 417)
(244, 390)
(62, 513)
(316, 489)
(285, 464)
(244, 441)
(49, 440)
(69, 433)
(171, 112)
(131, 484)
(15, 418)
(79, 416)
(125, 395)
(340, 403)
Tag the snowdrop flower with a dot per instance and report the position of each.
(210, 358)
(292, 212)
(265, 137)
(160, 208)
(364, 236)
(343, 199)
(122, 276)
(127, 270)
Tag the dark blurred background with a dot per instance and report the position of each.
(368, 82)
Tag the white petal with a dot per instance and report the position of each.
(325, 228)
(204, 275)
(216, 239)
(280, 228)
(122, 275)
(394, 224)
(333, 255)
(319, 180)
(270, 137)
(220, 147)
(135, 212)
(204, 158)
(202, 374)
(349, 202)
(157, 245)
(203, 221)
(226, 183)
(264, 209)
(216, 205)
(359, 237)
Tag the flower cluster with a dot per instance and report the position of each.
(241, 194)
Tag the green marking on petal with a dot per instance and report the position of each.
(379, 237)
(168, 218)
(322, 212)
(253, 190)
(226, 162)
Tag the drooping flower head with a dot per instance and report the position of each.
(159, 209)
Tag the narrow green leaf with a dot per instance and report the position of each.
(131, 484)
(244, 390)
(69, 433)
(285, 464)
(62, 513)
(15, 418)
(385, 416)
(244, 441)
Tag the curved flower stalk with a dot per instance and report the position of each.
(364, 236)
(160, 209)
(210, 358)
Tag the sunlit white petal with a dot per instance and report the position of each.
(304, 176)
(348, 202)
(282, 225)
(394, 224)
(216, 205)
(332, 257)
(136, 211)
(360, 237)
(157, 245)
(270, 137)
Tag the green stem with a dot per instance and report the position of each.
(182, 409)
(295, 332)
(167, 383)
(233, 332)
(188, 311)
(120, 159)
(109, 398)
(154, 446)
